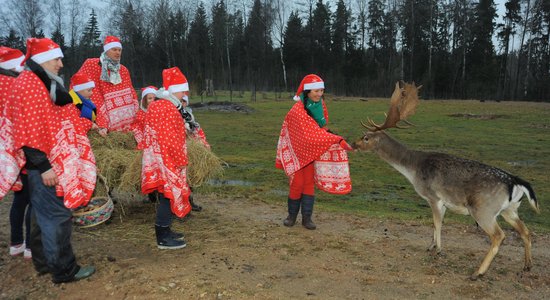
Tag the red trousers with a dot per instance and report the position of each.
(302, 183)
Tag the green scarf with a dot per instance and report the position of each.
(315, 110)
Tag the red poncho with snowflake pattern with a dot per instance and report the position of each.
(11, 159)
(39, 124)
(164, 162)
(302, 142)
(88, 170)
(137, 127)
(117, 105)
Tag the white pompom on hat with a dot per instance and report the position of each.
(11, 59)
(42, 50)
(310, 82)
(111, 42)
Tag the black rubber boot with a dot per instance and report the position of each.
(307, 211)
(293, 209)
(165, 240)
(176, 235)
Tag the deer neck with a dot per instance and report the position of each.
(397, 155)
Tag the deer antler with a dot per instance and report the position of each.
(402, 105)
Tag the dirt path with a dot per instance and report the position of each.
(240, 250)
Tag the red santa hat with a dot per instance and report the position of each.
(310, 82)
(42, 50)
(174, 81)
(111, 42)
(80, 81)
(148, 90)
(11, 58)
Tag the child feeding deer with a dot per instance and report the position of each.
(448, 182)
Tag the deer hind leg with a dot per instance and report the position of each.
(490, 226)
(511, 216)
(438, 212)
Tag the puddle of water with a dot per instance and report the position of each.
(280, 192)
(522, 163)
(216, 182)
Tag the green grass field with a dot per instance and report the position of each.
(514, 136)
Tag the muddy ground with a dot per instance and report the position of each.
(239, 249)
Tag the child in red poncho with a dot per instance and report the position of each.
(164, 163)
(147, 97)
(309, 153)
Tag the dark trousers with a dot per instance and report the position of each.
(20, 213)
(164, 212)
(51, 231)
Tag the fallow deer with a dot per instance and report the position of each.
(448, 182)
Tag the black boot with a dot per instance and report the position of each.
(176, 235)
(293, 209)
(165, 239)
(307, 211)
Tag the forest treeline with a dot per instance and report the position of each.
(454, 48)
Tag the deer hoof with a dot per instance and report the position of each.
(527, 268)
(475, 277)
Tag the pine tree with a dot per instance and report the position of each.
(90, 38)
(511, 19)
(236, 48)
(294, 47)
(318, 32)
(258, 46)
(14, 41)
(220, 33)
(179, 27)
(199, 40)
(59, 38)
(375, 23)
(482, 73)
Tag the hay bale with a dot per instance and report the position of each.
(130, 181)
(203, 163)
(119, 162)
(113, 154)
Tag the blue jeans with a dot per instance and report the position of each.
(51, 233)
(20, 213)
(164, 212)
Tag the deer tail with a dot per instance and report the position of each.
(520, 187)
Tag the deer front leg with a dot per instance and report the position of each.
(438, 212)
